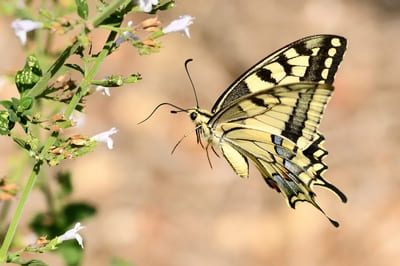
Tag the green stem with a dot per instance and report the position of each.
(18, 212)
(107, 12)
(3, 214)
(90, 75)
(156, 34)
(14, 177)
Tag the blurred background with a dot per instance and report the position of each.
(158, 209)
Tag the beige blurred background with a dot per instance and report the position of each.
(158, 209)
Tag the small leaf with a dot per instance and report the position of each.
(27, 77)
(15, 103)
(167, 5)
(75, 67)
(35, 262)
(6, 104)
(26, 103)
(133, 78)
(22, 143)
(13, 117)
(4, 123)
(82, 8)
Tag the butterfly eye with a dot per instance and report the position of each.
(193, 116)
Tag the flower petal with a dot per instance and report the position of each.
(180, 25)
(22, 27)
(105, 137)
(104, 90)
(72, 234)
(146, 5)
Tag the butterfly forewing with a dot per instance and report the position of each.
(314, 58)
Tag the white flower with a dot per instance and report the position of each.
(146, 5)
(180, 25)
(22, 27)
(72, 234)
(105, 137)
(104, 90)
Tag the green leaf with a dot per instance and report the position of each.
(75, 67)
(15, 103)
(78, 211)
(64, 180)
(27, 77)
(26, 102)
(71, 252)
(166, 6)
(16, 259)
(22, 143)
(133, 78)
(6, 104)
(44, 224)
(35, 262)
(13, 116)
(4, 123)
(82, 8)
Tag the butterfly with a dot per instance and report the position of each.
(270, 116)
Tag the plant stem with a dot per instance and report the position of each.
(18, 212)
(107, 12)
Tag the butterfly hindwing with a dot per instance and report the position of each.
(281, 163)
(314, 58)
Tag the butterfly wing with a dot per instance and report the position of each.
(277, 129)
(314, 58)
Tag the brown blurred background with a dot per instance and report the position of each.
(158, 209)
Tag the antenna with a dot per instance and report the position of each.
(161, 104)
(191, 82)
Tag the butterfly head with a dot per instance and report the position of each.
(200, 119)
(199, 116)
